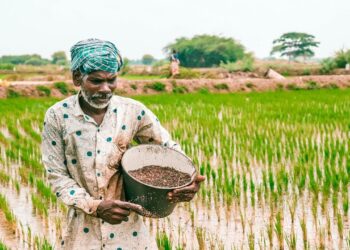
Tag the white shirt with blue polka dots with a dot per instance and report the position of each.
(82, 162)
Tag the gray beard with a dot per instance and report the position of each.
(88, 99)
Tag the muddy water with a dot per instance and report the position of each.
(231, 227)
(28, 223)
(211, 224)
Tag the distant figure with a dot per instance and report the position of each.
(174, 63)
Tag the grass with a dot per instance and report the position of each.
(284, 151)
(3, 246)
(5, 208)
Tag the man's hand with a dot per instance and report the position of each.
(186, 193)
(116, 211)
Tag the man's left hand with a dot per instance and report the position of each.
(186, 193)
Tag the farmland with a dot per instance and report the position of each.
(276, 163)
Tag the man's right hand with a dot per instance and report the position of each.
(116, 211)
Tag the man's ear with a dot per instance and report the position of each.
(77, 78)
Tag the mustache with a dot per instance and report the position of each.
(104, 96)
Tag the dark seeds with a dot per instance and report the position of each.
(161, 176)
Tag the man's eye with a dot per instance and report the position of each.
(112, 81)
(96, 81)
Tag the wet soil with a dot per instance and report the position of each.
(161, 176)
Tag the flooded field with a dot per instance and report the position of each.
(277, 166)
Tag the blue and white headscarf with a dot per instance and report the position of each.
(94, 55)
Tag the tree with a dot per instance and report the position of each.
(59, 57)
(148, 59)
(295, 44)
(342, 57)
(206, 50)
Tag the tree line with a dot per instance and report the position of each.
(208, 51)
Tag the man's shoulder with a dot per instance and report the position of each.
(62, 104)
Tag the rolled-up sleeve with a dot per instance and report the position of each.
(54, 160)
(150, 131)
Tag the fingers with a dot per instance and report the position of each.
(130, 206)
(121, 211)
(199, 178)
(188, 189)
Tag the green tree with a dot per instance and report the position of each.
(35, 61)
(148, 59)
(295, 44)
(18, 59)
(342, 57)
(59, 57)
(206, 50)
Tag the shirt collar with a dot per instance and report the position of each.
(77, 111)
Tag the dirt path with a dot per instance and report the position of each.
(234, 84)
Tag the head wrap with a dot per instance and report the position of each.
(94, 55)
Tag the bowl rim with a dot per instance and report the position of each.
(193, 176)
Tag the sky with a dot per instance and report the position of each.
(141, 27)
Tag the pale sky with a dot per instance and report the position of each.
(138, 27)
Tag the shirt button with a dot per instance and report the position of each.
(103, 245)
(98, 151)
(98, 130)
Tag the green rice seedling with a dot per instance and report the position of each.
(279, 229)
(252, 192)
(5, 208)
(314, 209)
(242, 218)
(17, 186)
(4, 178)
(304, 231)
(270, 231)
(345, 201)
(42, 244)
(340, 225)
(292, 205)
(321, 239)
(271, 181)
(39, 205)
(3, 246)
(45, 191)
(251, 240)
(200, 234)
(291, 240)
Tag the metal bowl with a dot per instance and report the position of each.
(153, 198)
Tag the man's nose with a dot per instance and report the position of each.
(105, 88)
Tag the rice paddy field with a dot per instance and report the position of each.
(277, 169)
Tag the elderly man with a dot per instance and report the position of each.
(83, 140)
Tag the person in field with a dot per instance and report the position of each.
(83, 140)
(174, 64)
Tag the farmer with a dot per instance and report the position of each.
(83, 140)
(174, 63)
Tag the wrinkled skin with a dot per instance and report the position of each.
(116, 211)
(97, 89)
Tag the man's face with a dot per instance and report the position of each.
(97, 88)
